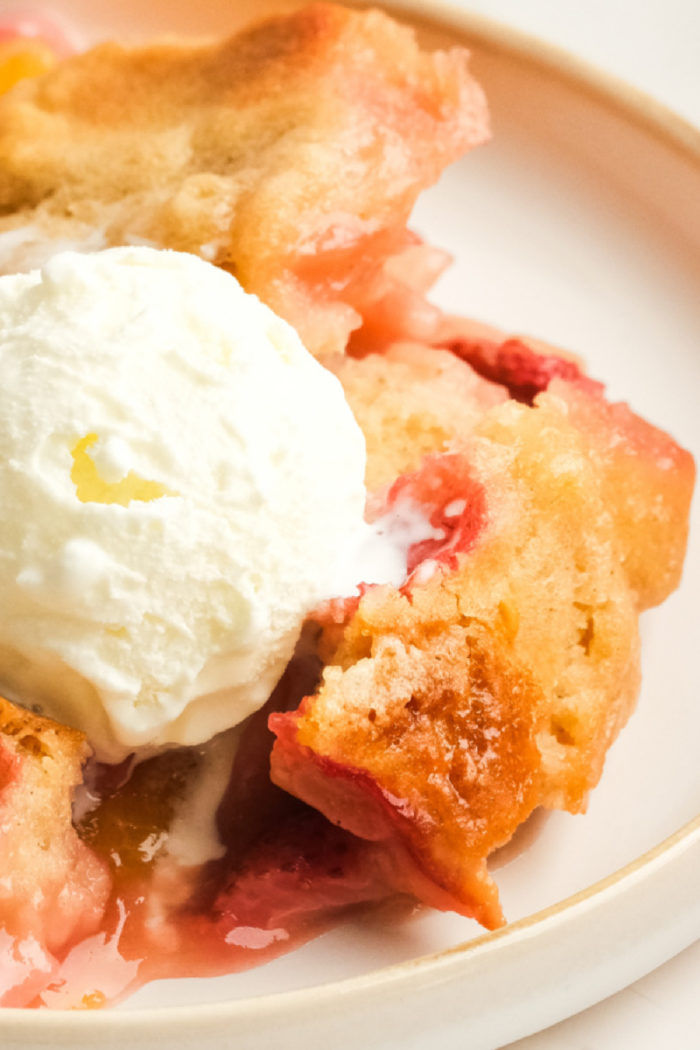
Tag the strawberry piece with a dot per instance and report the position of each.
(648, 479)
(514, 364)
(454, 503)
(305, 872)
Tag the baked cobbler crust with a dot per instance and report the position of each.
(290, 154)
(52, 886)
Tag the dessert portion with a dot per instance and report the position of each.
(290, 155)
(508, 661)
(169, 513)
(464, 655)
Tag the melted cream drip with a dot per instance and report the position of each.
(379, 552)
(193, 837)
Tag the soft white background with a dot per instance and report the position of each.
(654, 45)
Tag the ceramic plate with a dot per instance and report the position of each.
(579, 224)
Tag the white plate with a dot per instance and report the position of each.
(579, 224)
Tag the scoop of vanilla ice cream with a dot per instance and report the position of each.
(179, 479)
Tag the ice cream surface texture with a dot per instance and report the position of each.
(179, 481)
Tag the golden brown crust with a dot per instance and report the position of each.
(411, 401)
(442, 728)
(547, 568)
(647, 479)
(647, 484)
(524, 650)
(290, 154)
(52, 887)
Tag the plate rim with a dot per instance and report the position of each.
(634, 104)
(674, 131)
(648, 863)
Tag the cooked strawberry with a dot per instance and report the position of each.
(393, 304)
(524, 372)
(647, 477)
(296, 878)
(453, 501)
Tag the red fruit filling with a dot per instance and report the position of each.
(285, 874)
(454, 503)
(515, 365)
